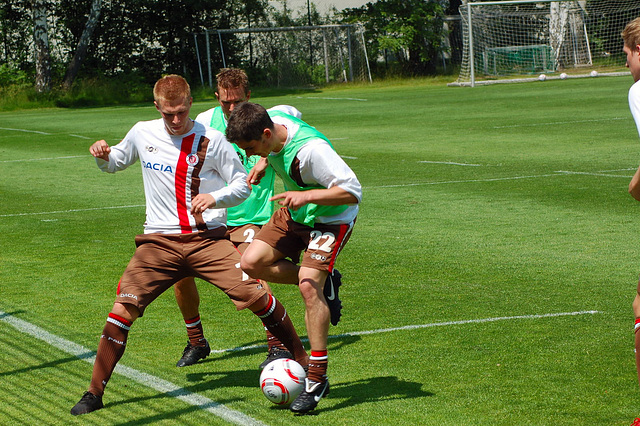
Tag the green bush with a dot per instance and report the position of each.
(11, 76)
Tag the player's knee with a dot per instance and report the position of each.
(251, 265)
(126, 311)
(636, 305)
(308, 291)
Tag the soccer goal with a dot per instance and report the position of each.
(524, 37)
(286, 56)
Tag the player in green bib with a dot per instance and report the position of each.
(319, 209)
(243, 220)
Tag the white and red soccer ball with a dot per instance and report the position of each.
(282, 380)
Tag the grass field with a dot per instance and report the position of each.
(488, 281)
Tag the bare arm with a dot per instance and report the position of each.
(334, 196)
(257, 172)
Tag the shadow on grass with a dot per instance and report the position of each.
(336, 342)
(373, 389)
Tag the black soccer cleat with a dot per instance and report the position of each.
(330, 291)
(88, 403)
(193, 354)
(310, 396)
(276, 353)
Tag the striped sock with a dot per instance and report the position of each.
(110, 349)
(318, 366)
(195, 331)
(276, 320)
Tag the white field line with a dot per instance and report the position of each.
(143, 378)
(418, 326)
(331, 99)
(80, 136)
(44, 159)
(26, 131)
(592, 174)
(72, 210)
(450, 163)
(443, 182)
(557, 123)
(558, 173)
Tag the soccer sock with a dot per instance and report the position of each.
(276, 320)
(318, 366)
(195, 331)
(110, 349)
(273, 341)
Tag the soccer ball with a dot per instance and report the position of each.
(542, 77)
(563, 76)
(594, 73)
(282, 381)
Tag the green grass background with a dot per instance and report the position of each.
(468, 213)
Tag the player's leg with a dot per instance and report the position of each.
(317, 318)
(241, 237)
(218, 262)
(154, 267)
(261, 261)
(188, 300)
(636, 311)
(111, 347)
(277, 321)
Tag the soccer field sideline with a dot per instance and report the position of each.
(218, 409)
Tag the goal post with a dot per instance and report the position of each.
(287, 56)
(513, 38)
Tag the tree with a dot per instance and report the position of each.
(407, 32)
(83, 44)
(41, 41)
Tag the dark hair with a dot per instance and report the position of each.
(247, 122)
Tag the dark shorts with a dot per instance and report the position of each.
(160, 260)
(241, 236)
(320, 245)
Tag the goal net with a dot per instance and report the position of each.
(524, 37)
(286, 56)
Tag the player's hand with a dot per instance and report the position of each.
(100, 149)
(201, 202)
(292, 199)
(257, 172)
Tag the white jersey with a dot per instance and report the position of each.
(177, 168)
(634, 103)
(321, 165)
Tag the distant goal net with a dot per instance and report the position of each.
(523, 37)
(286, 56)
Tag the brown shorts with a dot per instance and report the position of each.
(241, 236)
(160, 260)
(320, 244)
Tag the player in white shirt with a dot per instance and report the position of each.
(191, 175)
(243, 220)
(631, 38)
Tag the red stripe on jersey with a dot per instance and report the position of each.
(181, 183)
